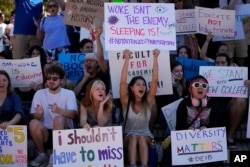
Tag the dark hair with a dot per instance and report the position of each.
(55, 69)
(189, 53)
(226, 56)
(183, 80)
(131, 94)
(6, 54)
(3, 72)
(84, 41)
(42, 54)
(220, 45)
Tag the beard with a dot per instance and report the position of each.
(54, 87)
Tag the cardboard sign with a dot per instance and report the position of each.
(191, 66)
(139, 26)
(169, 112)
(225, 81)
(185, 21)
(199, 146)
(84, 13)
(13, 146)
(217, 21)
(141, 64)
(99, 147)
(23, 71)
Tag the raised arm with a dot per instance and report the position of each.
(203, 54)
(100, 58)
(103, 116)
(153, 87)
(123, 81)
(62, 4)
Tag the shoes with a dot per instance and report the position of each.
(40, 160)
(231, 144)
(50, 161)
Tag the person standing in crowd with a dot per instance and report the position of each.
(95, 67)
(53, 108)
(239, 47)
(137, 104)
(11, 112)
(96, 106)
(53, 32)
(24, 29)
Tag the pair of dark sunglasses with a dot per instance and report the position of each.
(52, 6)
(52, 78)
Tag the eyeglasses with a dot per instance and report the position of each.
(53, 78)
(200, 85)
(52, 6)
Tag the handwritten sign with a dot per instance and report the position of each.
(218, 21)
(13, 146)
(225, 81)
(242, 11)
(23, 71)
(169, 112)
(246, 27)
(139, 26)
(73, 65)
(185, 21)
(101, 146)
(84, 13)
(199, 146)
(1, 39)
(140, 63)
(191, 66)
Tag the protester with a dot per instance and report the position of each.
(136, 104)
(53, 108)
(11, 112)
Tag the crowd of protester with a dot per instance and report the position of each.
(58, 104)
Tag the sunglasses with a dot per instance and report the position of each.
(52, 6)
(53, 78)
(200, 85)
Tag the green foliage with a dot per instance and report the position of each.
(6, 7)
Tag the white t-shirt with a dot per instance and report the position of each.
(64, 99)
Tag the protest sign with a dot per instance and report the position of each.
(246, 27)
(185, 21)
(98, 147)
(169, 112)
(217, 21)
(13, 146)
(141, 64)
(225, 81)
(84, 13)
(139, 26)
(23, 71)
(191, 66)
(73, 65)
(242, 11)
(198, 146)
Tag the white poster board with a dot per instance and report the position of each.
(99, 147)
(23, 71)
(242, 11)
(139, 26)
(199, 146)
(218, 21)
(13, 146)
(141, 63)
(225, 81)
(185, 21)
(169, 112)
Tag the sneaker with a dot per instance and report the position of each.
(50, 161)
(40, 160)
(231, 144)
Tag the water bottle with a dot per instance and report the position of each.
(153, 157)
(197, 123)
